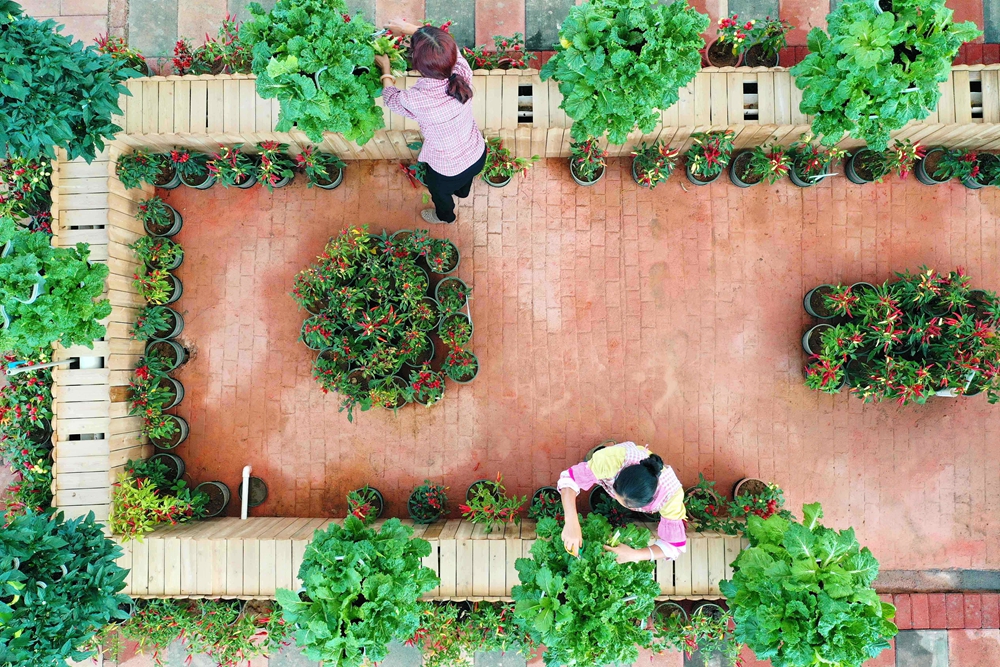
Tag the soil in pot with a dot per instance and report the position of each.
(582, 181)
(175, 325)
(164, 226)
(720, 54)
(200, 181)
(749, 486)
(813, 339)
(739, 170)
(177, 438)
(865, 166)
(168, 178)
(258, 492)
(926, 168)
(754, 57)
(815, 303)
(497, 182)
(218, 497)
(336, 178)
(174, 464)
(171, 351)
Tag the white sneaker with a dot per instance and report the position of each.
(430, 215)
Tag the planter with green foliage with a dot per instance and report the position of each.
(305, 54)
(872, 72)
(55, 92)
(60, 585)
(586, 609)
(67, 310)
(618, 62)
(361, 591)
(802, 594)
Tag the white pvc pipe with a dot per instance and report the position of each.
(246, 493)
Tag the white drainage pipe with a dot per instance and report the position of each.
(246, 493)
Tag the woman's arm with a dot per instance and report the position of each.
(402, 27)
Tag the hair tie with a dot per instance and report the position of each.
(452, 76)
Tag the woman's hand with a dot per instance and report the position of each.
(383, 64)
(572, 537)
(401, 27)
(627, 554)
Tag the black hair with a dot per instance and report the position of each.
(636, 484)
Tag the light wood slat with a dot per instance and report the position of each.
(140, 567)
(133, 107)
(508, 108)
(463, 575)
(734, 98)
(498, 567)
(682, 571)
(171, 565)
(716, 563)
(665, 576)
(215, 110)
(539, 103)
(156, 572)
(494, 103)
(165, 103)
(946, 104)
(699, 563)
(480, 562)
(963, 102)
(410, 123)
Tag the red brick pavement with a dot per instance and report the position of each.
(670, 317)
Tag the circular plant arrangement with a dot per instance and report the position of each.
(381, 315)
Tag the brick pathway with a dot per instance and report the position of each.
(154, 25)
(666, 317)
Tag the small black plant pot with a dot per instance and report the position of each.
(581, 181)
(248, 182)
(218, 497)
(924, 168)
(429, 515)
(183, 430)
(739, 170)
(755, 57)
(168, 227)
(550, 491)
(201, 182)
(812, 339)
(720, 54)
(41, 432)
(258, 492)
(697, 180)
(477, 484)
(174, 463)
(864, 166)
(988, 164)
(338, 178)
(498, 183)
(803, 181)
(749, 486)
(378, 502)
(172, 331)
(168, 178)
(172, 352)
(177, 290)
(813, 302)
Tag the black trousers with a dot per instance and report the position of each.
(443, 187)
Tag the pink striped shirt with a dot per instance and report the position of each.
(452, 140)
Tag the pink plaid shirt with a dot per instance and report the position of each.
(452, 140)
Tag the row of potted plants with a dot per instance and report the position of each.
(25, 192)
(499, 170)
(272, 166)
(374, 322)
(924, 334)
(753, 43)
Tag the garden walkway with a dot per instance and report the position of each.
(668, 317)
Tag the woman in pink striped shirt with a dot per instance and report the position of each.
(440, 102)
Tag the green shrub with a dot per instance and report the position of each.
(802, 595)
(301, 38)
(872, 73)
(586, 610)
(64, 583)
(54, 92)
(67, 309)
(361, 589)
(619, 61)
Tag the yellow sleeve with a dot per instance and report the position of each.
(606, 463)
(674, 507)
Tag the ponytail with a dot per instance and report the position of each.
(459, 89)
(637, 484)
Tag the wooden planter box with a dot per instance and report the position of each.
(251, 559)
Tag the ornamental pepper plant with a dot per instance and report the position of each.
(273, 165)
(653, 164)
(507, 53)
(709, 153)
(587, 159)
(770, 163)
(489, 504)
(501, 164)
(707, 509)
(428, 502)
(319, 167)
(138, 167)
(231, 166)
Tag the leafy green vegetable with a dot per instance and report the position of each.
(54, 92)
(873, 73)
(586, 610)
(619, 61)
(361, 588)
(802, 594)
(302, 41)
(59, 584)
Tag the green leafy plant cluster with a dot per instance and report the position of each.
(305, 53)
(223, 630)
(144, 499)
(69, 305)
(54, 92)
(908, 338)
(871, 73)
(361, 591)
(59, 584)
(802, 594)
(586, 609)
(619, 61)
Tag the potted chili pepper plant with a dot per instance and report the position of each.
(218, 495)
(653, 164)
(427, 314)
(158, 252)
(925, 168)
(975, 169)
(192, 168)
(726, 50)
(324, 170)
(866, 165)
(456, 330)
(159, 218)
(168, 353)
(760, 163)
(442, 257)
(811, 162)
(274, 167)
(157, 287)
(166, 431)
(546, 502)
(427, 503)
(708, 156)
(426, 386)
(233, 168)
(318, 332)
(461, 365)
(501, 165)
(587, 161)
(157, 323)
(388, 392)
(487, 503)
(452, 294)
(138, 167)
(366, 503)
(752, 496)
(706, 509)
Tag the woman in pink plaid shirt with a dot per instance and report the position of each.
(454, 149)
